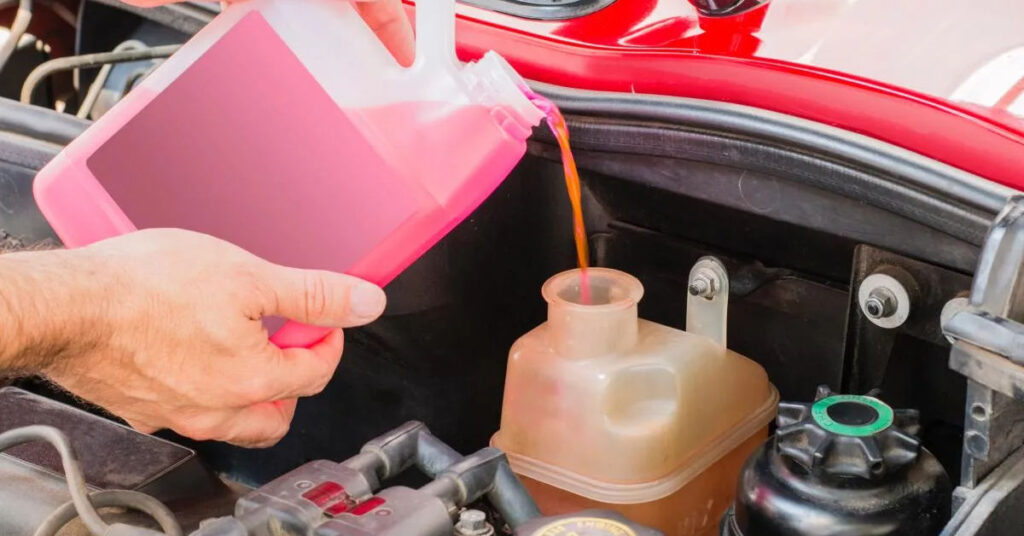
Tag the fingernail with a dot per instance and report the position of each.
(367, 300)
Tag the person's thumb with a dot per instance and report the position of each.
(323, 298)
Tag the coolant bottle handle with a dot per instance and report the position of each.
(297, 335)
(435, 49)
(435, 34)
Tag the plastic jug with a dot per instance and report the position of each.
(602, 409)
(286, 127)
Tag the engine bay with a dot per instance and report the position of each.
(868, 298)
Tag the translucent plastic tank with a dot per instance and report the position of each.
(602, 409)
(286, 127)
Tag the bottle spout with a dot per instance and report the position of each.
(495, 83)
(603, 324)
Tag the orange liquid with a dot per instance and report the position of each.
(572, 184)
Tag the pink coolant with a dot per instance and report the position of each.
(556, 122)
(274, 165)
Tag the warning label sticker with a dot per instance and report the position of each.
(585, 526)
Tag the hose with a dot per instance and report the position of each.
(17, 30)
(80, 499)
(93, 94)
(72, 470)
(101, 499)
(45, 69)
(39, 123)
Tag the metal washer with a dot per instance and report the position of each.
(874, 281)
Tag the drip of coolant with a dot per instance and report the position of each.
(556, 122)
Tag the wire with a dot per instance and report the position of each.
(45, 69)
(81, 504)
(17, 30)
(102, 499)
(93, 94)
(72, 470)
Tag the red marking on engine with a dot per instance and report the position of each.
(324, 493)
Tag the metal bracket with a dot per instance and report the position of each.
(988, 348)
(707, 300)
(909, 297)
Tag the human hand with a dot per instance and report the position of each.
(166, 332)
(386, 18)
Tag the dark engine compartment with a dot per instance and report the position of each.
(798, 212)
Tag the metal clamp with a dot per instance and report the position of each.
(988, 348)
(707, 300)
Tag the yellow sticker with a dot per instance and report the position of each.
(585, 526)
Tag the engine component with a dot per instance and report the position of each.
(473, 523)
(340, 499)
(627, 386)
(81, 500)
(843, 465)
(986, 336)
(90, 60)
(18, 28)
(884, 298)
(707, 300)
(113, 458)
(585, 523)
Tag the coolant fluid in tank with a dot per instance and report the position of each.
(603, 409)
(286, 127)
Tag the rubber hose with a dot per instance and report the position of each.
(17, 30)
(108, 498)
(45, 69)
(72, 469)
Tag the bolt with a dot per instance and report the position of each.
(881, 303)
(704, 284)
(977, 444)
(473, 523)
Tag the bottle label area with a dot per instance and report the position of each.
(245, 145)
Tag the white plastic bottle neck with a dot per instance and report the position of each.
(492, 82)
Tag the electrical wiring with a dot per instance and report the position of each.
(72, 470)
(80, 504)
(93, 94)
(89, 60)
(17, 30)
(101, 499)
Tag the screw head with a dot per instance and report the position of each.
(976, 444)
(472, 522)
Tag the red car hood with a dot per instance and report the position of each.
(945, 80)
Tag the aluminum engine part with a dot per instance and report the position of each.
(343, 499)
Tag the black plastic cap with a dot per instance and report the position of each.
(847, 435)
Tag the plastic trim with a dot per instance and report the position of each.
(886, 176)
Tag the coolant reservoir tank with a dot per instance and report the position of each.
(603, 409)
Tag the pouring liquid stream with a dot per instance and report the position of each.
(556, 122)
